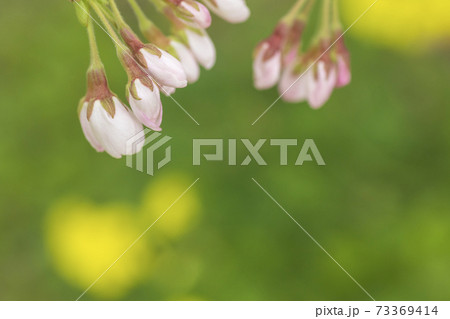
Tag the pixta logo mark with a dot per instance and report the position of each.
(146, 161)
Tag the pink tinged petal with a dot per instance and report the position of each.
(165, 70)
(266, 73)
(321, 85)
(233, 11)
(188, 62)
(148, 109)
(201, 16)
(290, 56)
(87, 130)
(294, 87)
(344, 75)
(202, 48)
(116, 133)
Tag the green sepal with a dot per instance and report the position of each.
(80, 105)
(132, 89)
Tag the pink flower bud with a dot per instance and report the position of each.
(145, 102)
(233, 11)
(107, 132)
(293, 86)
(87, 130)
(344, 75)
(187, 59)
(199, 14)
(163, 67)
(266, 70)
(268, 58)
(202, 47)
(321, 84)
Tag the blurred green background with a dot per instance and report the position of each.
(381, 206)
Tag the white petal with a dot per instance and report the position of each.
(321, 87)
(165, 70)
(266, 73)
(116, 133)
(87, 130)
(234, 11)
(148, 109)
(202, 47)
(294, 87)
(188, 62)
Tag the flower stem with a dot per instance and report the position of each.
(306, 10)
(111, 32)
(324, 31)
(117, 14)
(290, 16)
(96, 62)
(336, 23)
(144, 21)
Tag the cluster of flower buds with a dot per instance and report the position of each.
(304, 74)
(161, 64)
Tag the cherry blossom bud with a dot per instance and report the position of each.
(233, 11)
(293, 86)
(266, 67)
(321, 84)
(145, 102)
(267, 61)
(86, 127)
(187, 59)
(142, 93)
(292, 43)
(202, 47)
(344, 75)
(162, 66)
(197, 13)
(107, 124)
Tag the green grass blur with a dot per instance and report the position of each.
(380, 207)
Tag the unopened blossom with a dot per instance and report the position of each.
(266, 69)
(233, 11)
(293, 42)
(321, 83)
(267, 61)
(197, 13)
(142, 93)
(145, 102)
(202, 47)
(293, 86)
(106, 122)
(344, 75)
(162, 66)
(187, 59)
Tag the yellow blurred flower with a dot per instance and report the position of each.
(161, 194)
(84, 240)
(401, 24)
